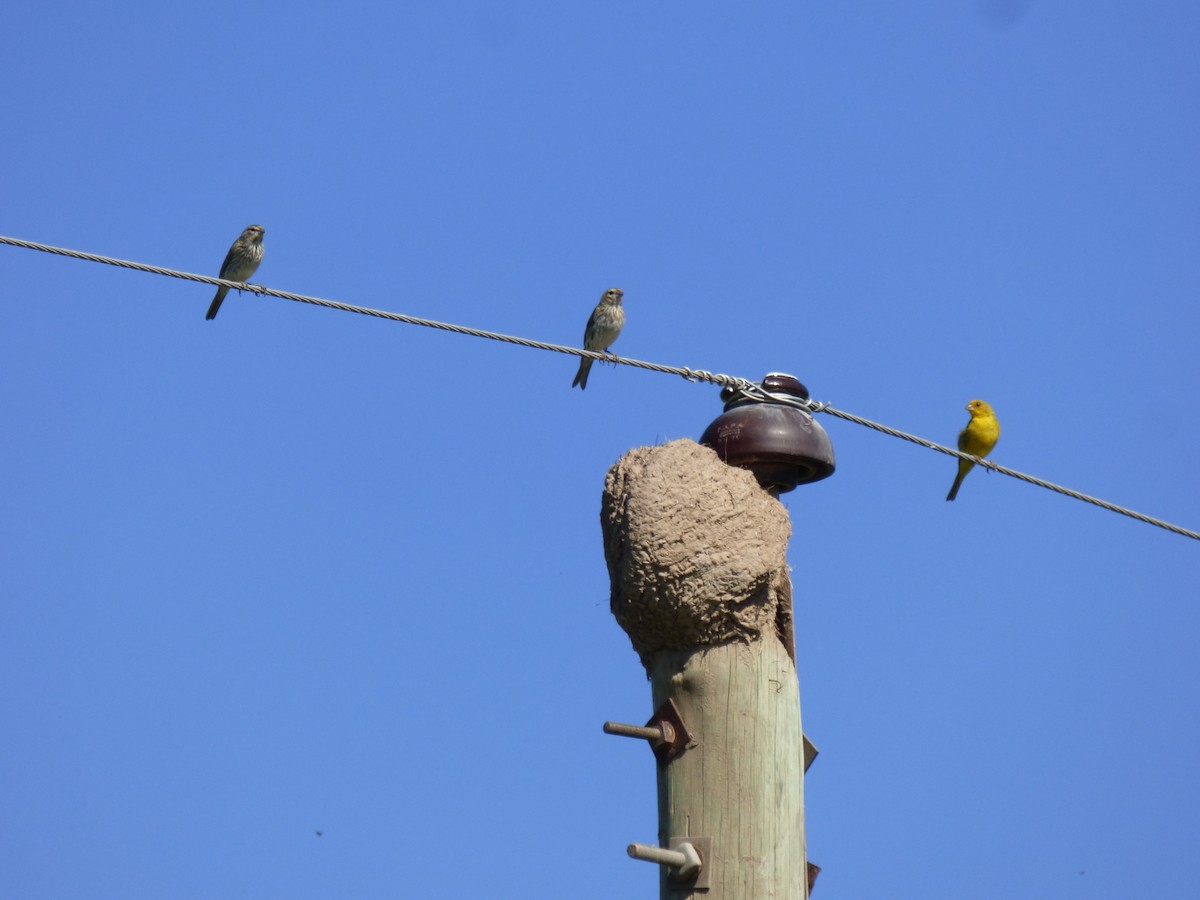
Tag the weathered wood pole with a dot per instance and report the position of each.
(696, 553)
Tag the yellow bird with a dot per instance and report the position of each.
(978, 439)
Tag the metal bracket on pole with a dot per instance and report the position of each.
(666, 732)
(689, 859)
(810, 751)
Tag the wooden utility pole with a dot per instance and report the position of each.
(696, 553)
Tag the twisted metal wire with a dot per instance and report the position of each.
(689, 374)
(1004, 470)
(748, 389)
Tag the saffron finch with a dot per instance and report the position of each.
(978, 439)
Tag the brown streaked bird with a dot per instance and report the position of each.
(603, 327)
(240, 263)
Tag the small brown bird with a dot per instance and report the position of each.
(978, 439)
(603, 327)
(240, 263)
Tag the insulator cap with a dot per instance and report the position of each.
(763, 432)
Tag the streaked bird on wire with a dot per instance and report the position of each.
(978, 439)
(240, 263)
(603, 327)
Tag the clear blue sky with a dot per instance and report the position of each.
(296, 570)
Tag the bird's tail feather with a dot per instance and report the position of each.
(963, 468)
(216, 304)
(585, 366)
